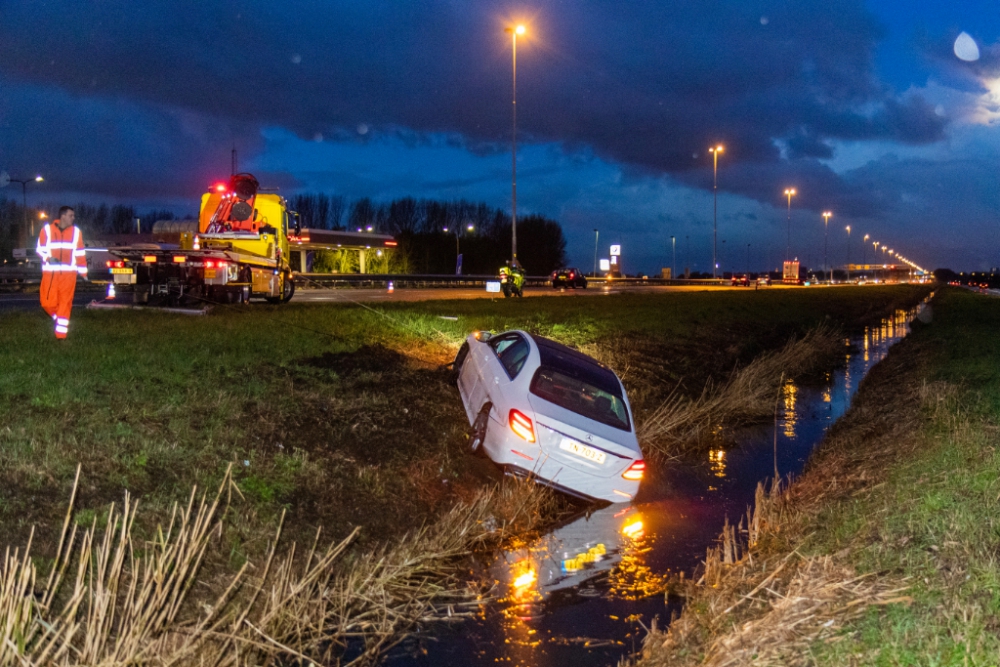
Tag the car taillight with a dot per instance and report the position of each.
(572, 275)
(635, 471)
(209, 264)
(179, 259)
(221, 265)
(150, 259)
(522, 426)
(115, 265)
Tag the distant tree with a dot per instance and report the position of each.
(362, 214)
(945, 275)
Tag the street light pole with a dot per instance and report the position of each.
(748, 261)
(24, 202)
(687, 255)
(826, 242)
(864, 252)
(673, 267)
(597, 236)
(715, 150)
(514, 32)
(789, 192)
(847, 266)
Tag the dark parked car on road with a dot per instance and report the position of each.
(568, 278)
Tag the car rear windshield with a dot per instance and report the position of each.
(580, 386)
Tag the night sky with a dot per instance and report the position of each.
(864, 107)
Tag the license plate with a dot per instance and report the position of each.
(122, 271)
(209, 273)
(563, 277)
(582, 450)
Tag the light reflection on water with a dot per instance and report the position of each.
(583, 593)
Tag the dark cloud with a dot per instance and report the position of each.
(646, 83)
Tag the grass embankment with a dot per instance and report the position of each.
(335, 417)
(885, 551)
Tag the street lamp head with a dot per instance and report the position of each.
(867, 237)
(39, 179)
(790, 191)
(470, 228)
(520, 29)
(42, 215)
(827, 214)
(848, 228)
(445, 230)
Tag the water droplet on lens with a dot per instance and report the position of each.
(764, 20)
(362, 129)
(966, 48)
(296, 59)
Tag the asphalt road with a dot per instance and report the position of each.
(15, 301)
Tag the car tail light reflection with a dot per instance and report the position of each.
(635, 471)
(522, 426)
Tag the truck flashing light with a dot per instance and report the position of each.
(635, 471)
(220, 187)
(521, 425)
(115, 265)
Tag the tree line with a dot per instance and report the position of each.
(432, 233)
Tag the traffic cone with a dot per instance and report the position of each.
(111, 290)
(391, 288)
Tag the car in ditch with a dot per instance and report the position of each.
(545, 411)
(568, 278)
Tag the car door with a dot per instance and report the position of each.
(510, 355)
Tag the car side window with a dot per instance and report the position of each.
(512, 351)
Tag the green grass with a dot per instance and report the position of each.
(339, 414)
(934, 522)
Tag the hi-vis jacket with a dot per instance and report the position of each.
(62, 250)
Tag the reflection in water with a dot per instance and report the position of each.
(791, 418)
(717, 462)
(582, 594)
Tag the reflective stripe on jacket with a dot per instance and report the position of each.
(62, 249)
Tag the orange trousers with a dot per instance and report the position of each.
(57, 292)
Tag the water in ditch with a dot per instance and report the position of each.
(581, 594)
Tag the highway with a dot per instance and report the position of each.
(18, 301)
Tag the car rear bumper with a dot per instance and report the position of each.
(512, 454)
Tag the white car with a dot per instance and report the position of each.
(540, 409)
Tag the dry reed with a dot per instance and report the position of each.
(110, 600)
(680, 423)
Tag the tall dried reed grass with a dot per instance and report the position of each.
(109, 599)
(681, 423)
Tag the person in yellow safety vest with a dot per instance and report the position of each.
(60, 245)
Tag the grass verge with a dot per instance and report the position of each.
(884, 552)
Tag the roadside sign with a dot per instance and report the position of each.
(614, 260)
(493, 286)
(616, 250)
(605, 265)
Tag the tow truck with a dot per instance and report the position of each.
(239, 251)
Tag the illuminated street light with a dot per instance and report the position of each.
(864, 251)
(789, 192)
(715, 150)
(514, 32)
(24, 201)
(847, 267)
(826, 236)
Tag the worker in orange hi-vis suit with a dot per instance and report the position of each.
(60, 245)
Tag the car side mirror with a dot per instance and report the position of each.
(482, 336)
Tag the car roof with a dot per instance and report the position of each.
(548, 344)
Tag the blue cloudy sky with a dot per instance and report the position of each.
(864, 107)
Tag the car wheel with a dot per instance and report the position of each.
(477, 435)
(456, 366)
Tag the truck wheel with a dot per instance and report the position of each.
(287, 290)
(478, 433)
